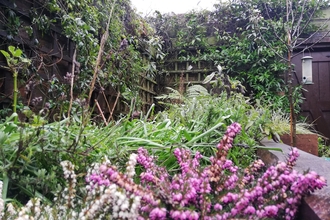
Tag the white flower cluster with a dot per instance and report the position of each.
(130, 165)
(111, 201)
(101, 202)
(30, 211)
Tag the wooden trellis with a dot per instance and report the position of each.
(191, 72)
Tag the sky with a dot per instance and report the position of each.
(147, 7)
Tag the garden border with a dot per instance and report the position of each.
(317, 205)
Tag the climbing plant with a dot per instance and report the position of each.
(131, 49)
(229, 36)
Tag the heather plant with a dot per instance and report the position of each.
(219, 190)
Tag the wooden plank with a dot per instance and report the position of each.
(322, 125)
(323, 81)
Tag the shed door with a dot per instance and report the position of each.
(317, 104)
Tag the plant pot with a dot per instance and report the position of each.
(305, 142)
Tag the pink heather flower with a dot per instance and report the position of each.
(217, 207)
(175, 186)
(242, 203)
(194, 192)
(103, 168)
(205, 186)
(144, 159)
(227, 140)
(231, 182)
(271, 211)
(177, 197)
(158, 213)
(183, 215)
(194, 215)
(229, 197)
(183, 157)
(175, 214)
(250, 210)
(293, 156)
(147, 177)
(195, 162)
(233, 212)
(227, 164)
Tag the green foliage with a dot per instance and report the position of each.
(218, 37)
(131, 50)
(201, 112)
(247, 38)
(16, 62)
(221, 82)
(324, 149)
(254, 64)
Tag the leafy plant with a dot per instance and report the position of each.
(221, 82)
(16, 62)
(323, 147)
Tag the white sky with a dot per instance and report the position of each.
(147, 7)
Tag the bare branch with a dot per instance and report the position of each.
(301, 30)
(310, 46)
(98, 60)
(114, 106)
(274, 30)
(72, 79)
(100, 110)
(313, 34)
(271, 47)
(297, 27)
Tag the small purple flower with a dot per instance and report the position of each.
(177, 197)
(229, 197)
(158, 213)
(250, 210)
(271, 211)
(217, 207)
(293, 156)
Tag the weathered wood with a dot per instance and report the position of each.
(317, 98)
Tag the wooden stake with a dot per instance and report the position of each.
(100, 110)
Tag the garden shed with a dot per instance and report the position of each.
(316, 103)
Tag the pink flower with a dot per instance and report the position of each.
(158, 213)
(271, 211)
(217, 207)
(250, 210)
(177, 197)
